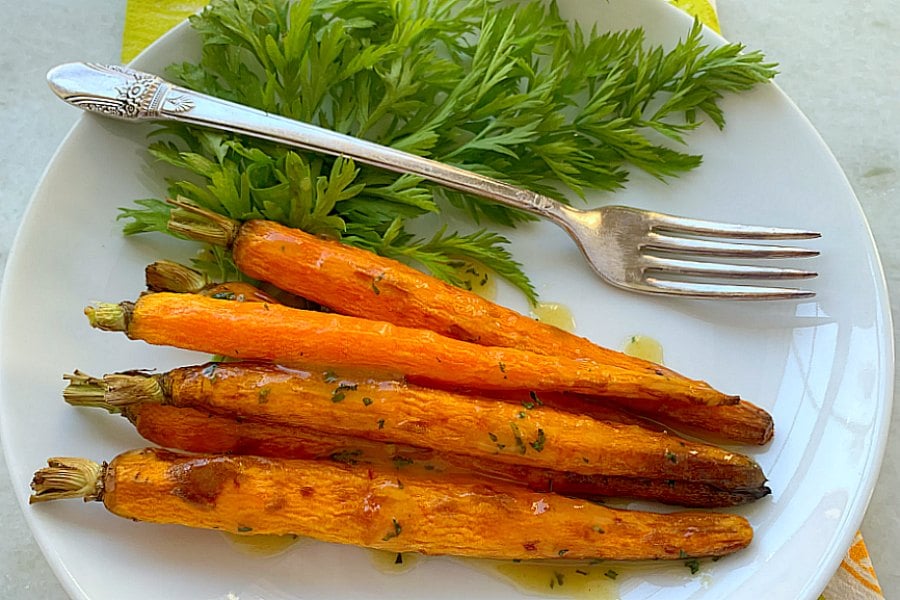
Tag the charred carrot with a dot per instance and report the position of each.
(192, 430)
(370, 507)
(262, 331)
(357, 282)
(385, 410)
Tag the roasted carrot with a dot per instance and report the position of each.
(262, 331)
(741, 423)
(192, 430)
(357, 282)
(371, 507)
(386, 410)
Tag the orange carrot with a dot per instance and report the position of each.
(262, 331)
(371, 507)
(192, 430)
(360, 283)
(347, 403)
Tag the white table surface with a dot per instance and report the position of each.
(840, 62)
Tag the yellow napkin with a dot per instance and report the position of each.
(146, 20)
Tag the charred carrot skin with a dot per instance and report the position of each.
(741, 423)
(370, 507)
(392, 411)
(192, 430)
(272, 332)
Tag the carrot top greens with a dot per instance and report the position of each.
(506, 89)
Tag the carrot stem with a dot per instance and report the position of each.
(68, 478)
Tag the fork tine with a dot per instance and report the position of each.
(707, 269)
(666, 243)
(720, 291)
(673, 224)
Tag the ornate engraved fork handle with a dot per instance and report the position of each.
(127, 94)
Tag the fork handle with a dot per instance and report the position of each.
(132, 95)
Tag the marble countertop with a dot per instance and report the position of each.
(839, 63)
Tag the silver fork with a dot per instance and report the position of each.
(629, 248)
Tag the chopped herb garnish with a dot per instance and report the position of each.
(347, 456)
(521, 414)
(210, 371)
(520, 443)
(244, 529)
(366, 401)
(563, 552)
(502, 367)
(394, 532)
(693, 565)
(585, 459)
(682, 553)
(559, 577)
(399, 559)
(223, 296)
(598, 529)
(580, 572)
(671, 456)
(375, 281)
(611, 574)
(338, 396)
(329, 377)
(401, 461)
(263, 395)
(492, 436)
(380, 423)
(538, 444)
(716, 558)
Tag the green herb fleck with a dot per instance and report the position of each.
(520, 414)
(493, 437)
(244, 529)
(520, 443)
(671, 456)
(401, 461)
(350, 457)
(398, 560)
(397, 529)
(538, 444)
(380, 423)
(502, 367)
(263, 395)
(580, 572)
(693, 565)
(682, 553)
(338, 396)
(375, 281)
(366, 401)
(329, 377)
(611, 574)
(598, 529)
(563, 552)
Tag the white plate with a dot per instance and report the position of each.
(823, 367)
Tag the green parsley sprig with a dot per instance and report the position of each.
(506, 89)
